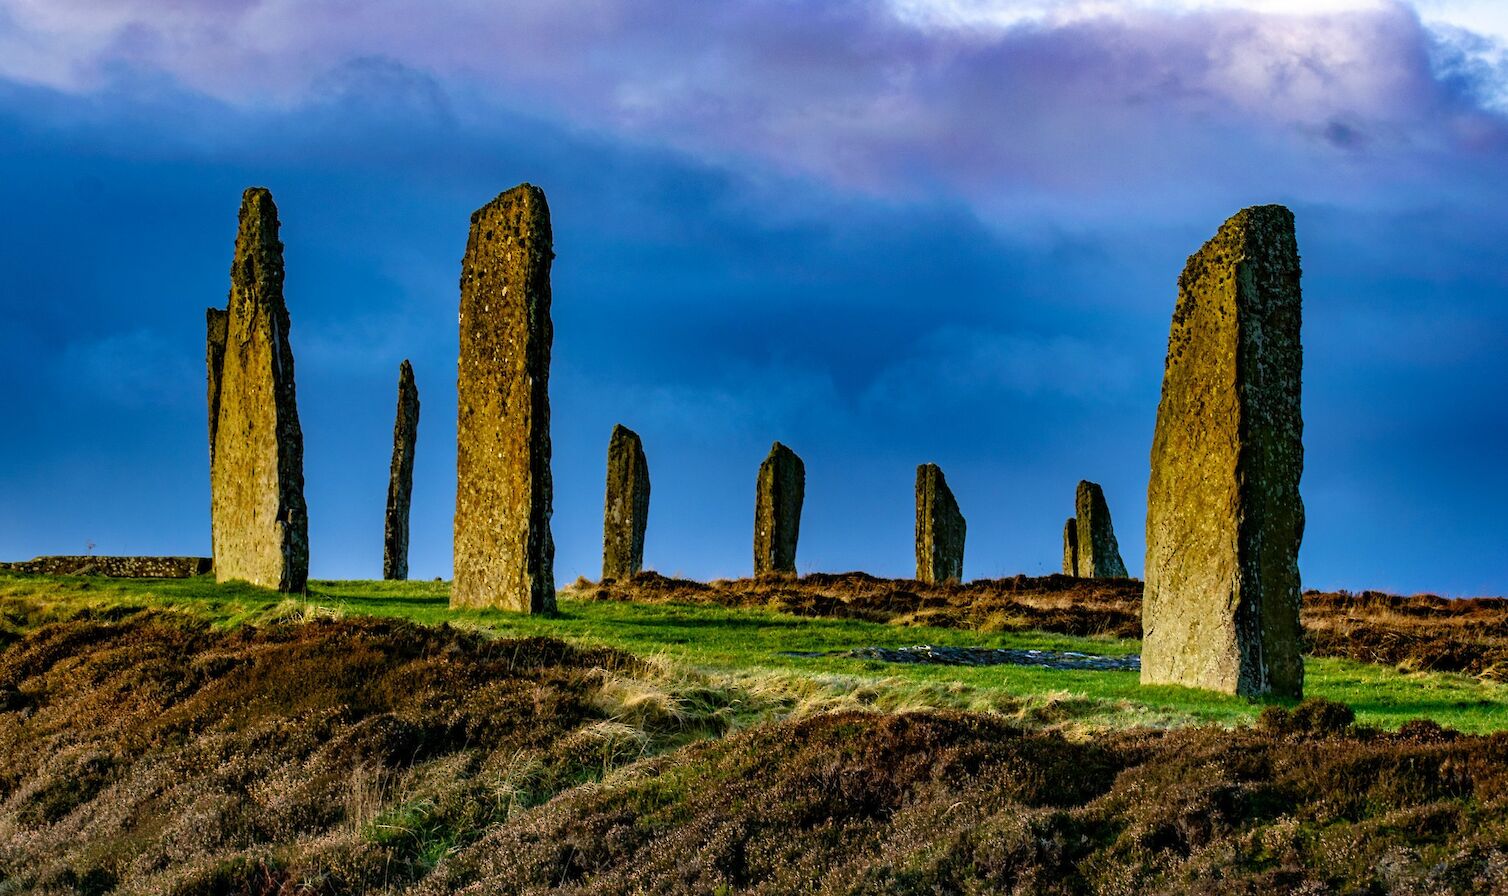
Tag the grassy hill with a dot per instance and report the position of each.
(183, 737)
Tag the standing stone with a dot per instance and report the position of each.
(1071, 547)
(258, 519)
(214, 359)
(504, 554)
(400, 482)
(1099, 556)
(1224, 517)
(939, 529)
(627, 510)
(777, 511)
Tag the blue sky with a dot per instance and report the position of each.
(882, 233)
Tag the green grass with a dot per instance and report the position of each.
(742, 650)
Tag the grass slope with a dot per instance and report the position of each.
(739, 649)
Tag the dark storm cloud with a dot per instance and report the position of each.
(881, 243)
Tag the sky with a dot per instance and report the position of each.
(883, 233)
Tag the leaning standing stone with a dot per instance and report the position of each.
(627, 510)
(1224, 517)
(400, 481)
(777, 510)
(258, 519)
(1099, 556)
(939, 529)
(504, 555)
(1071, 547)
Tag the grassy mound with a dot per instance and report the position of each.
(154, 755)
(953, 803)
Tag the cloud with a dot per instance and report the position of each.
(1048, 103)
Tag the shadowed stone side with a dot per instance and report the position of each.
(214, 361)
(1224, 516)
(939, 528)
(777, 510)
(400, 481)
(259, 522)
(1071, 547)
(1099, 556)
(627, 508)
(504, 553)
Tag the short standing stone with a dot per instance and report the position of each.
(1099, 556)
(258, 519)
(1071, 547)
(400, 482)
(939, 528)
(627, 508)
(504, 553)
(777, 511)
(1224, 516)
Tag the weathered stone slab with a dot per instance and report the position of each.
(1099, 556)
(400, 480)
(259, 522)
(627, 508)
(778, 494)
(504, 553)
(215, 320)
(1071, 547)
(939, 528)
(113, 567)
(1224, 516)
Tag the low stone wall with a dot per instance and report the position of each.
(114, 567)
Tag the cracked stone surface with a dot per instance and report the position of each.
(504, 552)
(259, 522)
(1224, 515)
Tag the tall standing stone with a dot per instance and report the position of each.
(1224, 516)
(504, 554)
(939, 528)
(259, 522)
(777, 511)
(400, 482)
(214, 361)
(1099, 556)
(1071, 547)
(627, 508)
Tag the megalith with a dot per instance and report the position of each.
(939, 529)
(1099, 556)
(1071, 547)
(400, 480)
(777, 511)
(214, 360)
(258, 520)
(1224, 516)
(504, 554)
(627, 508)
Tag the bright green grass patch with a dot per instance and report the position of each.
(742, 650)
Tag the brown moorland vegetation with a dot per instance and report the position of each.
(1419, 633)
(151, 754)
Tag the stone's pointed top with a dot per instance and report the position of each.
(524, 201)
(778, 448)
(623, 432)
(405, 369)
(257, 205)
